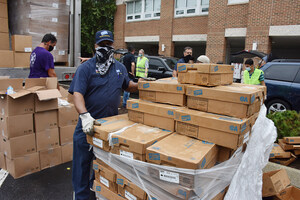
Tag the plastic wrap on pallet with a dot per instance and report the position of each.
(38, 17)
(243, 171)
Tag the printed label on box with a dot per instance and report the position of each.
(169, 176)
(61, 52)
(98, 142)
(54, 19)
(126, 154)
(55, 5)
(129, 196)
(104, 181)
(28, 49)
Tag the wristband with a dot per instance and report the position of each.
(83, 113)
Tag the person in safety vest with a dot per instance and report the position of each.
(252, 75)
(142, 65)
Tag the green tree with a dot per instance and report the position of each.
(95, 15)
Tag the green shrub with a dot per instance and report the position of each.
(287, 123)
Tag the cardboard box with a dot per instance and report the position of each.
(19, 103)
(197, 78)
(3, 10)
(286, 147)
(105, 175)
(284, 161)
(219, 129)
(111, 124)
(297, 152)
(255, 87)
(4, 25)
(129, 190)
(124, 151)
(183, 152)
(47, 139)
(206, 68)
(138, 137)
(2, 161)
(67, 115)
(105, 192)
(67, 152)
(166, 90)
(152, 114)
(224, 108)
(6, 56)
(274, 182)
(19, 146)
(22, 59)
(291, 140)
(3, 1)
(50, 157)
(18, 125)
(66, 134)
(22, 166)
(289, 193)
(45, 120)
(46, 93)
(97, 142)
(21, 43)
(278, 152)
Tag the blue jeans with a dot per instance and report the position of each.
(125, 98)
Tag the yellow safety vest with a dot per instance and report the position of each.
(140, 66)
(254, 80)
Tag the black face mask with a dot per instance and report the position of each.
(50, 48)
(187, 58)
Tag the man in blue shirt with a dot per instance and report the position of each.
(187, 54)
(96, 88)
(41, 60)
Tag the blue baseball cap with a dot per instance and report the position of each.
(104, 35)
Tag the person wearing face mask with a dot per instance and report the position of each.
(252, 75)
(142, 65)
(96, 89)
(187, 55)
(41, 60)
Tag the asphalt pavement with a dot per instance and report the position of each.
(50, 184)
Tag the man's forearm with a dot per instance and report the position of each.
(133, 68)
(132, 87)
(79, 102)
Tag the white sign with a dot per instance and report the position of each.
(98, 142)
(129, 196)
(169, 176)
(126, 154)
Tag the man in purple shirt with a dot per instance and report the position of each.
(41, 60)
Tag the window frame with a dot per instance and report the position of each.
(143, 12)
(236, 2)
(198, 10)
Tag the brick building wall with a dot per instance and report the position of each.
(257, 16)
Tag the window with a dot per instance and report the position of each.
(281, 72)
(143, 10)
(155, 64)
(191, 7)
(237, 1)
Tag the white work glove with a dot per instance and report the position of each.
(87, 122)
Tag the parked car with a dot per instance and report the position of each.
(283, 86)
(159, 67)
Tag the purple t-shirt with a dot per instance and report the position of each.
(41, 61)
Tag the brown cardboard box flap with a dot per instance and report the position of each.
(19, 94)
(16, 83)
(138, 137)
(274, 182)
(48, 83)
(182, 151)
(45, 95)
(158, 109)
(290, 193)
(206, 68)
(278, 152)
(169, 85)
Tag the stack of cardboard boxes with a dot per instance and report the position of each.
(38, 17)
(286, 151)
(30, 138)
(199, 126)
(22, 47)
